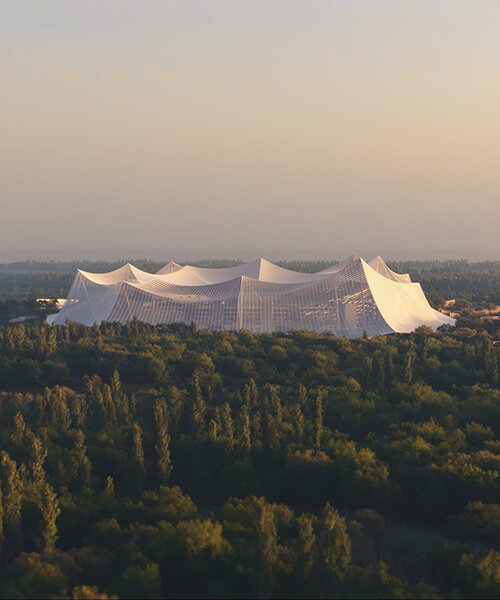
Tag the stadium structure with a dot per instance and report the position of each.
(346, 299)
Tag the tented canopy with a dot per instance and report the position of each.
(348, 298)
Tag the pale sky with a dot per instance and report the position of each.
(191, 128)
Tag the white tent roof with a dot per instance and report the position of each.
(346, 298)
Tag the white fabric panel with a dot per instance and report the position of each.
(403, 305)
(170, 267)
(379, 265)
(88, 302)
(260, 269)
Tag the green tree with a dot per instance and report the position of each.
(244, 440)
(379, 369)
(333, 550)
(318, 421)
(257, 429)
(267, 537)
(199, 408)
(11, 492)
(49, 506)
(51, 343)
(482, 574)
(138, 582)
(254, 392)
(302, 395)
(79, 409)
(409, 360)
(175, 406)
(59, 411)
(116, 387)
(275, 404)
(109, 488)
(108, 401)
(18, 431)
(164, 464)
(138, 456)
(37, 456)
(227, 427)
(81, 466)
(213, 430)
(306, 545)
(299, 422)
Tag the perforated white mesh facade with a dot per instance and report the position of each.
(345, 299)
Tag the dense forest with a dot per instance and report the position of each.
(140, 461)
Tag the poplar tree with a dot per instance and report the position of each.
(81, 462)
(39, 405)
(175, 408)
(137, 451)
(79, 408)
(267, 548)
(227, 426)
(100, 412)
(49, 505)
(11, 488)
(160, 414)
(379, 369)
(60, 415)
(18, 431)
(425, 347)
(257, 429)
(254, 392)
(8, 340)
(271, 439)
(306, 545)
(298, 423)
(109, 404)
(367, 370)
(237, 398)
(120, 400)
(162, 442)
(37, 456)
(333, 549)
(318, 421)
(109, 488)
(409, 360)
(245, 434)
(247, 395)
(116, 387)
(51, 342)
(212, 430)
(389, 367)
(302, 394)
(199, 408)
(275, 403)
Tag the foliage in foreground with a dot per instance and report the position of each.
(137, 461)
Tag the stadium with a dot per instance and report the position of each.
(349, 299)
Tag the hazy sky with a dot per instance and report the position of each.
(186, 128)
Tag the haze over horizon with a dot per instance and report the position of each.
(183, 130)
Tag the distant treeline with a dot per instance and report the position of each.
(108, 265)
(459, 279)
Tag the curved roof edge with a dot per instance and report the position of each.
(403, 306)
(170, 267)
(379, 265)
